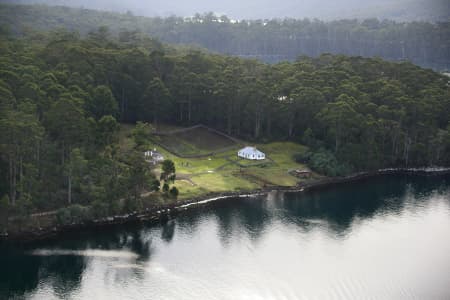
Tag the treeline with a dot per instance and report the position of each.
(424, 44)
(62, 98)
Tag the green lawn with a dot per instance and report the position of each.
(214, 182)
(225, 171)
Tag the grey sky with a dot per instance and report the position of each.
(255, 9)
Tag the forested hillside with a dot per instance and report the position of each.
(424, 44)
(401, 10)
(62, 97)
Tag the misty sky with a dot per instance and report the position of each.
(255, 9)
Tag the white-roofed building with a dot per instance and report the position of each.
(251, 153)
(153, 156)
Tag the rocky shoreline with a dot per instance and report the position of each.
(165, 212)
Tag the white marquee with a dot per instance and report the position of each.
(251, 153)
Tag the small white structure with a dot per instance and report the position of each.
(153, 156)
(251, 153)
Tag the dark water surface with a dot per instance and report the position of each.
(384, 238)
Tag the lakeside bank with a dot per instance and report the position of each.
(162, 213)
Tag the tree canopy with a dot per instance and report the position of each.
(270, 40)
(62, 97)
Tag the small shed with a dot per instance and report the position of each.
(153, 156)
(305, 173)
(251, 153)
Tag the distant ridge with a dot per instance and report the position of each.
(399, 10)
(272, 41)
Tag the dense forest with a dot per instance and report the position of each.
(63, 96)
(422, 43)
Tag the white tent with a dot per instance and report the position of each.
(153, 156)
(251, 153)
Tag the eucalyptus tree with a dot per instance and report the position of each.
(74, 170)
(155, 101)
(21, 133)
(339, 117)
(62, 98)
(102, 103)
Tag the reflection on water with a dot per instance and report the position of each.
(88, 253)
(383, 238)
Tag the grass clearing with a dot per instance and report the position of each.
(214, 182)
(224, 171)
(194, 142)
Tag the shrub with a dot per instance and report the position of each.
(324, 162)
(4, 212)
(79, 213)
(100, 209)
(302, 158)
(174, 192)
(141, 133)
(155, 185)
(63, 216)
(4, 203)
(73, 214)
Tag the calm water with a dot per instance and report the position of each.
(385, 238)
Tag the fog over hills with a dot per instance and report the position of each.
(404, 10)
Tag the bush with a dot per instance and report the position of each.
(302, 158)
(63, 216)
(73, 214)
(4, 212)
(132, 204)
(155, 185)
(23, 206)
(4, 203)
(165, 188)
(141, 134)
(79, 213)
(325, 162)
(174, 192)
(99, 209)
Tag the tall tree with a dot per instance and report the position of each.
(74, 170)
(102, 103)
(21, 134)
(155, 101)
